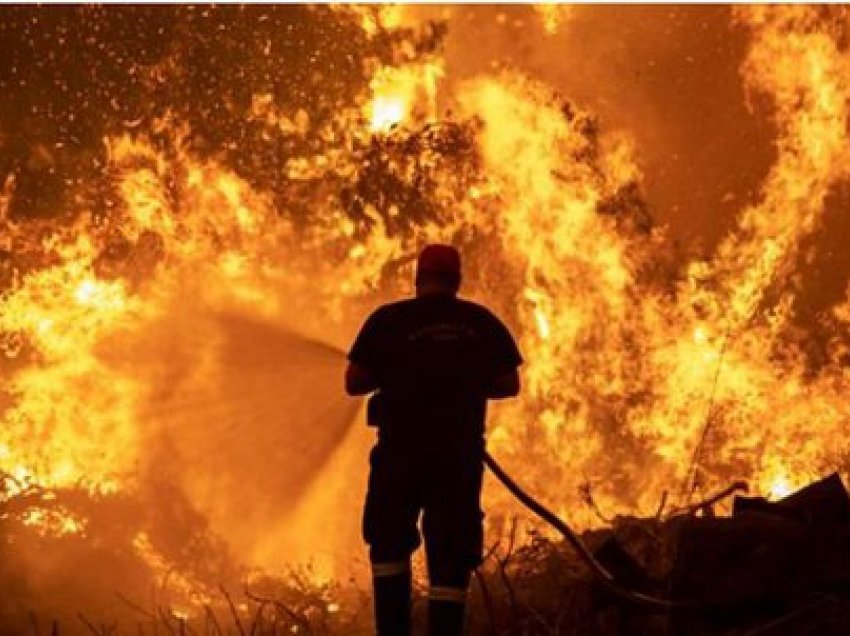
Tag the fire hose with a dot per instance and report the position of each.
(598, 569)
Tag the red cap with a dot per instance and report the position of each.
(439, 259)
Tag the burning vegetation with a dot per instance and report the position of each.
(200, 203)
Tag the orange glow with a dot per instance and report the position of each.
(399, 94)
(553, 15)
(626, 370)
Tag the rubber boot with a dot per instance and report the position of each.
(445, 618)
(446, 610)
(392, 604)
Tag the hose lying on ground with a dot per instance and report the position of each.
(599, 570)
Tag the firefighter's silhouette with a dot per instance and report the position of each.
(432, 362)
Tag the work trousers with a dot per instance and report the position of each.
(442, 484)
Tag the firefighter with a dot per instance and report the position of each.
(432, 362)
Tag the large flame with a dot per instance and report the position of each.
(640, 377)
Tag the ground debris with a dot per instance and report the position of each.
(777, 568)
